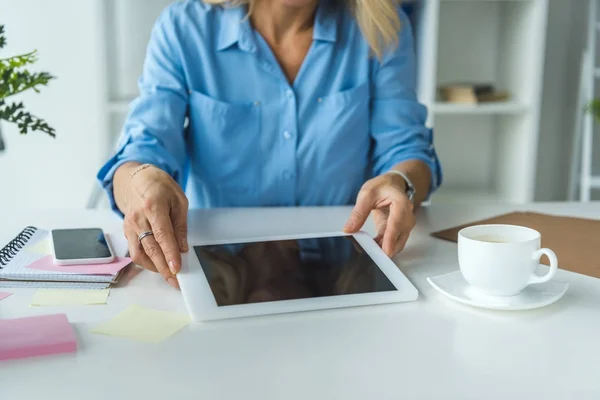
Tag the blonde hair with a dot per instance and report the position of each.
(378, 20)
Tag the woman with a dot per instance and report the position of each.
(288, 103)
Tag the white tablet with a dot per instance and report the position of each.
(288, 274)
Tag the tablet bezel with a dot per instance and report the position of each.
(202, 305)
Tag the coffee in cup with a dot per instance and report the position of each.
(501, 260)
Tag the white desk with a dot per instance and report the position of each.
(429, 349)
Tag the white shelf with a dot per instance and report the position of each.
(595, 182)
(500, 42)
(508, 107)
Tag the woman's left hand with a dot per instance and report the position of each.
(386, 196)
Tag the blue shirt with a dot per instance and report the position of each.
(218, 114)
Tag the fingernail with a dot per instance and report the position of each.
(173, 282)
(172, 267)
(183, 244)
(349, 226)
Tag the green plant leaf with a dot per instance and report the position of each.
(594, 108)
(15, 79)
(18, 61)
(2, 37)
(15, 113)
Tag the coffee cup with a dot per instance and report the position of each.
(501, 260)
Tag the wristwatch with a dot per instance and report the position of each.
(410, 188)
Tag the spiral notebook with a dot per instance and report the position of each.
(15, 257)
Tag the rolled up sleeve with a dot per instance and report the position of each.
(397, 118)
(154, 129)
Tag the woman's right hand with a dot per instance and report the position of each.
(151, 200)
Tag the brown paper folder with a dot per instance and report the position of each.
(575, 241)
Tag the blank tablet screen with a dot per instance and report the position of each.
(254, 272)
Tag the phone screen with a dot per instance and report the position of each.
(78, 244)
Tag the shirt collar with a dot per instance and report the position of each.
(235, 27)
(326, 22)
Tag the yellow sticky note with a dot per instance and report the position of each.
(144, 324)
(42, 247)
(69, 297)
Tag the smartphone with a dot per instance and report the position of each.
(80, 246)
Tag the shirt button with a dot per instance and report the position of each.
(287, 135)
(289, 93)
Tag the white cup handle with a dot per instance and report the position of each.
(553, 266)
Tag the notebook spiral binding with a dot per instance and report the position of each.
(9, 251)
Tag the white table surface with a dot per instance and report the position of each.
(429, 349)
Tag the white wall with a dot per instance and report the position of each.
(35, 170)
(130, 23)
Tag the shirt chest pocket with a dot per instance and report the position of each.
(344, 116)
(340, 124)
(353, 99)
(224, 139)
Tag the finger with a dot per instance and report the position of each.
(179, 218)
(400, 243)
(380, 229)
(136, 253)
(364, 204)
(153, 250)
(393, 228)
(409, 221)
(380, 217)
(162, 228)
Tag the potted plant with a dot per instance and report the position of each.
(594, 108)
(15, 79)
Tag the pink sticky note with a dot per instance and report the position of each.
(4, 295)
(36, 336)
(47, 264)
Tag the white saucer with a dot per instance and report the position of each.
(454, 286)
